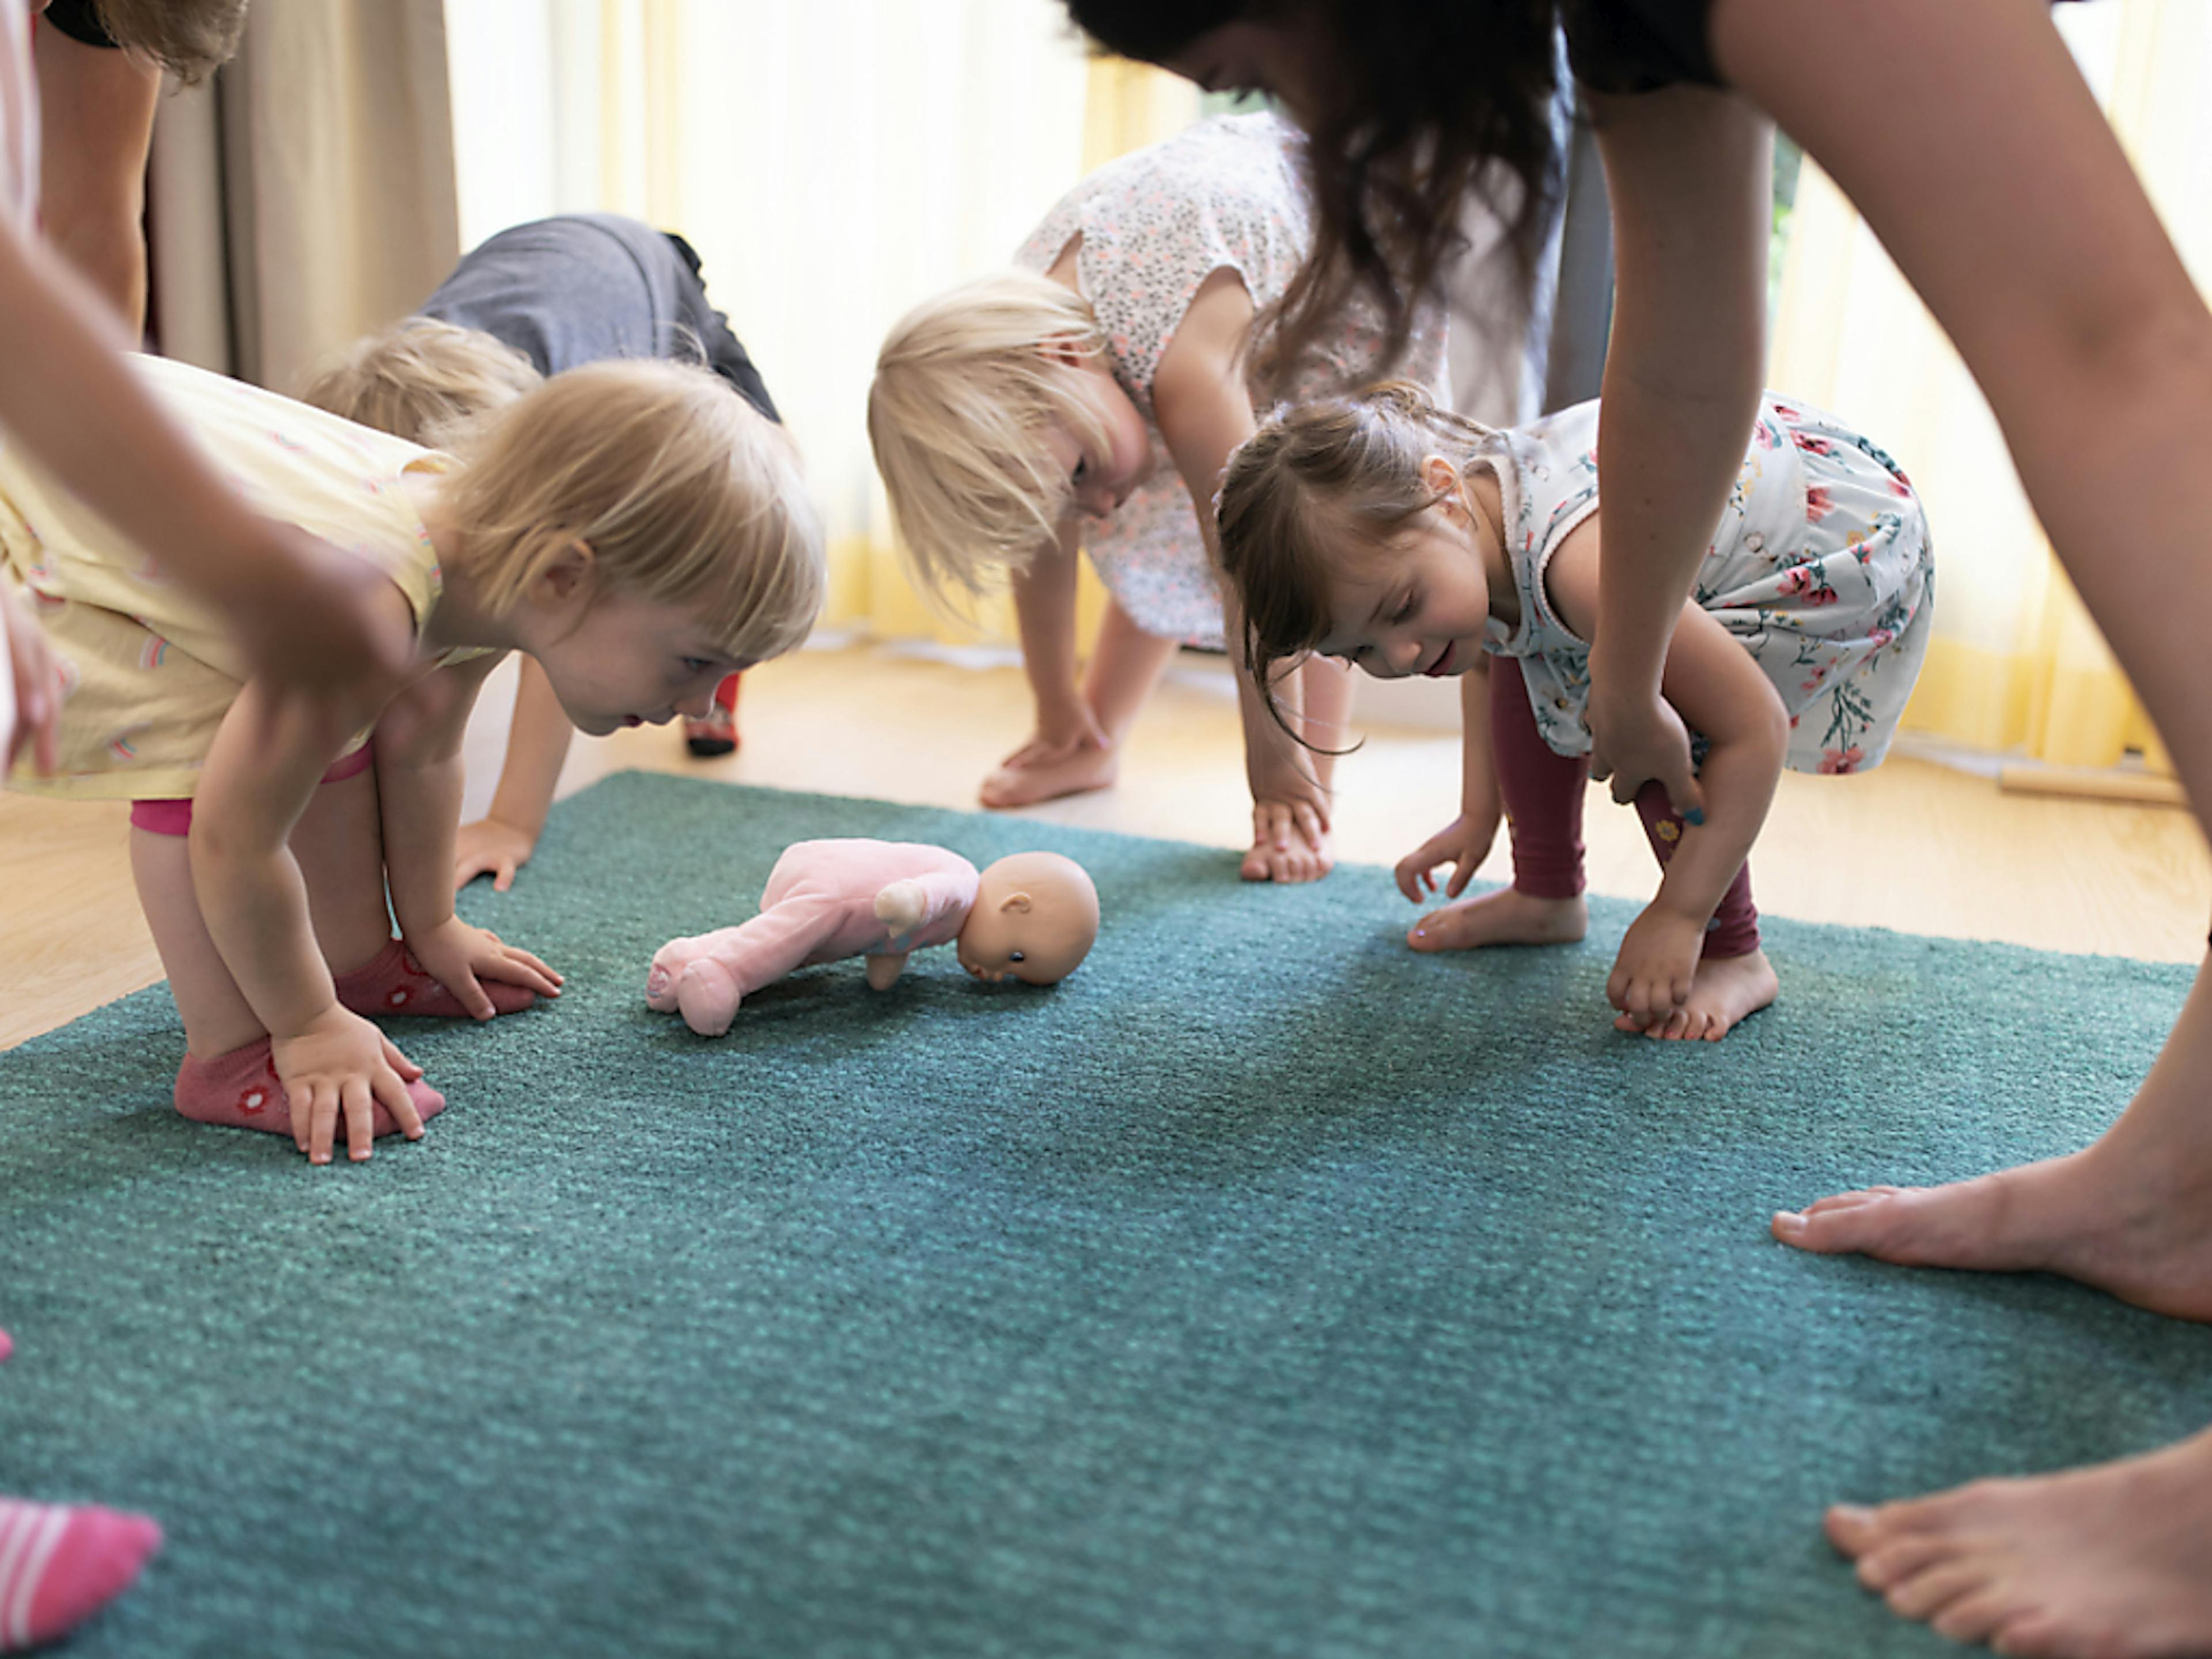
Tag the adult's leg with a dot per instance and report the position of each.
(2000, 190)
(1997, 186)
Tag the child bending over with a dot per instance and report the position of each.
(1399, 538)
(536, 299)
(635, 527)
(1106, 380)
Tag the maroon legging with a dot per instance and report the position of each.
(1543, 794)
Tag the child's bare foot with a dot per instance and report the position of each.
(1290, 843)
(1723, 991)
(2131, 1214)
(1038, 771)
(1507, 916)
(2107, 1563)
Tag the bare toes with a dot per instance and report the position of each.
(1927, 1594)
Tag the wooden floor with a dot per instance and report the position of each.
(1913, 846)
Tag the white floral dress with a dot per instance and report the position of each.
(1821, 567)
(1227, 194)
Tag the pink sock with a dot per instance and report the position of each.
(7, 1344)
(240, 1091)
(393, 983)
(61, 1564)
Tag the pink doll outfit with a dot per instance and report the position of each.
(819, 906)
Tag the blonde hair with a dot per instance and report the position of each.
(426, 381)
(966, 386)
(190, 38)
(1319, 481)
(683, 492)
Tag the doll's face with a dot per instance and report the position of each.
(1034, 917)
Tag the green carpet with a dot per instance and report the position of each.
(1265, 1289)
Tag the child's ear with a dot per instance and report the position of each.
(1064, 352)
(1017, 902)
(1442, 480)
(570, 571)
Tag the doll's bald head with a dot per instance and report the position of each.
(1035, 919)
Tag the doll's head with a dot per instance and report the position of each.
(995, 418)
(1348, 531)
(424, 381)
(644, 531)
(1035, 918)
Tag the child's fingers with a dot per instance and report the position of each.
(1309, 824)
(386, 1087)
(512, 968)
(515, 953)
(357, 1106)
(503, 877)
(407, 1069)
(1461, 872)
(322, 1121)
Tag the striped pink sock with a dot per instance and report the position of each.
(60, 1563)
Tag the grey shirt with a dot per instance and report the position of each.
(582, 287)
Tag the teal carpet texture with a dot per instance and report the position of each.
(1265, 1289)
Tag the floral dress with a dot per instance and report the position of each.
(1227, 194)
(1821, 567)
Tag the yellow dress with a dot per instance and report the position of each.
(149, 672)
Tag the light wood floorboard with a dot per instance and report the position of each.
(1913, 846)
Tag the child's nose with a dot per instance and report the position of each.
(697, 707)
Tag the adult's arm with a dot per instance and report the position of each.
(1689, 170)
(305, 613)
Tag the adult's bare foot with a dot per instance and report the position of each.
(2131, 1214)
(1726, 990)
(1038, 771)
(2113, 1562)
(1506, 916)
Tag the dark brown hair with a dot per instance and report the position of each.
(1318, 480)
(1424, 105)
(190, 38)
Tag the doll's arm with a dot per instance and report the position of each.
(418, 787)
(502, 841)
(921, 903)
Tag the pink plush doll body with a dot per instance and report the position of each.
(1032, 916)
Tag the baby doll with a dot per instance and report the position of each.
(1030, 916)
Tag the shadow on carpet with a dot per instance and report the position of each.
(1265, 1289)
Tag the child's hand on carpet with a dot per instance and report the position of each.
(1464, 843)
(341, 1063)
(1657, 968)
(491, 846)
(459, 956)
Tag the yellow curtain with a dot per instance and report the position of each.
(2015, 664)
